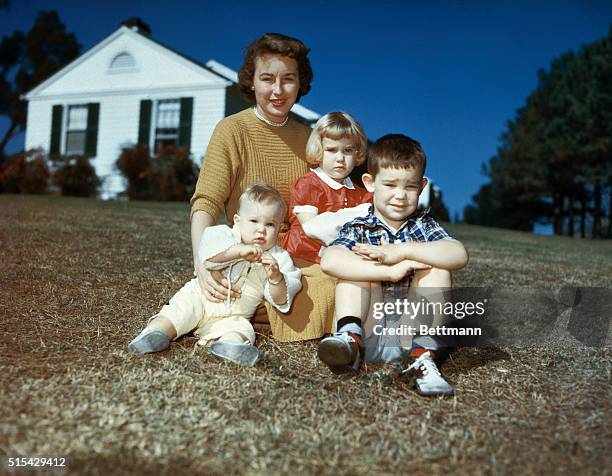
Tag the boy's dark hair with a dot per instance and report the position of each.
(395, 151)
(275, 44)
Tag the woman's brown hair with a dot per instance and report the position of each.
(275, 44)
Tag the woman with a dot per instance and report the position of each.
(263, 144)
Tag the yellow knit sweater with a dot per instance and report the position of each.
(244, 150)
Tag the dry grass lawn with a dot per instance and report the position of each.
(79, 278)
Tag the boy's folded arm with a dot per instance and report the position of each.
(342, 263)
(446, 253)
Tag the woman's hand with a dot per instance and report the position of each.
(214, 285)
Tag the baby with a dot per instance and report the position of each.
(248, 256)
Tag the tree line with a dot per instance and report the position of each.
(554, 162)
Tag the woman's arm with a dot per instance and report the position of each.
(199, 222)
(211, 193)
(212, 283)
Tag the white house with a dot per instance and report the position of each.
(130, 89)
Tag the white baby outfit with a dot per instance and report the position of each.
(188, 310)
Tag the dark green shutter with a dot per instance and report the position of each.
(184, 132)
(91, 136)
(144, 122)
(56, 130)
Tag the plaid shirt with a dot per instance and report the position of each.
(370, 229)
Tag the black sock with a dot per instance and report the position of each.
(349, 324)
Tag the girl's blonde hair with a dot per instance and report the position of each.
(335, 125)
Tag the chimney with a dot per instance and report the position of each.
(136, 24)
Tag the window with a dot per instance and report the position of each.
(122, 63)
(123, 60)
(76, 129)
(167, 123)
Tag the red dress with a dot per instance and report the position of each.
(317, 190)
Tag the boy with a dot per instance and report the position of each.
(249, 258)
(392, 244)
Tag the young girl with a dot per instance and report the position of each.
(325, 198)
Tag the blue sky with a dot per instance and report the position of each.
(450, 74)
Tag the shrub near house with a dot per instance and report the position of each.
(171, 175)
(31, 171)
(25, 172)
(75, 176)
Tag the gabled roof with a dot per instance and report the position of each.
(124, 30)
(232, 75)
(225, 75)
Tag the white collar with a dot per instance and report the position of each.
(348, 183)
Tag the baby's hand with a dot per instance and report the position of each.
(271, 267)
(249, 252)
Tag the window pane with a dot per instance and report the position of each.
(168, 112)
(166, 134)
(167, 123)
(77, 118)
(75, 143)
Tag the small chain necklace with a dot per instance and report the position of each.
(269, 122)
(228, 302)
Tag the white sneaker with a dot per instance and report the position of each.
(429, 380)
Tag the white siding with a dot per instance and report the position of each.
(38, 127)
(208, 110)
(118, 126)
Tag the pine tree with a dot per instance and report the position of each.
(28, 59)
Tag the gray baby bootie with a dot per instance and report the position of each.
(148, 342)
(241, 354)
